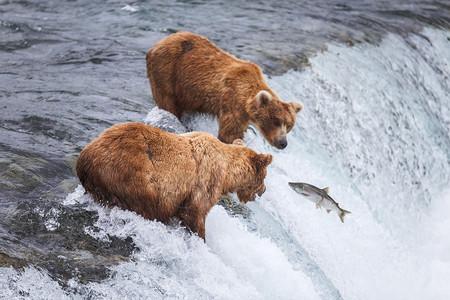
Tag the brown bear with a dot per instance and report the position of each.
(188, 73)
(161, 175)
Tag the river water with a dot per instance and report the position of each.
(374, 81)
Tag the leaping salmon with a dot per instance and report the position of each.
(320, 197)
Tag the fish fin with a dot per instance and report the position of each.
(326, 189)
(328, 211)
(344, 212)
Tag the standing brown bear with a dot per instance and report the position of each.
(161, 175)
(188, 73)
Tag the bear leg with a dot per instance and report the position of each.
(228, 132)
(193, 216)
(167, 103)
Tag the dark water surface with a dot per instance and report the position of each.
(70, 69)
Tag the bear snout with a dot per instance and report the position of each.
(280, 143)
(261, 191)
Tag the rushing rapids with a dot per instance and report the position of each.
(375, 126)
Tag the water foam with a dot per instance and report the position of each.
(234, 263)
(30, 283)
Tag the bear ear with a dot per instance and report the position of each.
(262, 160)
(238, 142)
(267, 159)
(298, 106)
(262, 98)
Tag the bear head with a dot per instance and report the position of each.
(254, 184)
(274, 118)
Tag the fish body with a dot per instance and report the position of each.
(319, 196)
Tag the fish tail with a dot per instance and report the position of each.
(342, 215)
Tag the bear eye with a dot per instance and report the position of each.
(276, 123)
(289, 127)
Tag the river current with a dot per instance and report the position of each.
(374, 81)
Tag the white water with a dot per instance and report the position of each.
(375, 129)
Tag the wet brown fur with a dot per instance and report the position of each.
(188, 73)
(161, 175)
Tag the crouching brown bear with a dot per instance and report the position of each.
(188, 73)
(161, 175)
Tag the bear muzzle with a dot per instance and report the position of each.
(261, 191)
(280, 143)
